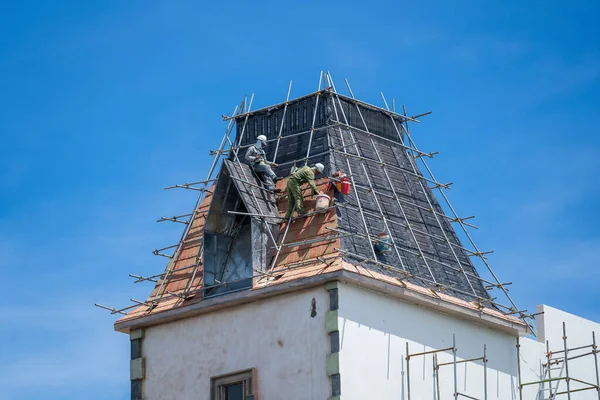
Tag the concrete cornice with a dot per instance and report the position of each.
(213, 304)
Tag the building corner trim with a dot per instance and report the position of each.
(137, 364)
(332, 360)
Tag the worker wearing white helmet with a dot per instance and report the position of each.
(258, 160)
(300, 176)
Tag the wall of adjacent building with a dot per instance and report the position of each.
(578, 334)
(282, 337)
(374, 331)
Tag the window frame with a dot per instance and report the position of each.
(247, 377)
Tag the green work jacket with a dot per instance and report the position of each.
(305, 175)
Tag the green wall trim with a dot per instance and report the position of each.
(331, 321)
(332, 364)
(137, 369)
(136, 334)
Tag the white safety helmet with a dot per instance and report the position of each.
(262, 138)
(320, 167)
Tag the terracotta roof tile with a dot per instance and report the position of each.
(300, 260)
(386, 187)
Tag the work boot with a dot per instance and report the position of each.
(277, 191)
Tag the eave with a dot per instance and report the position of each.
(511, 326)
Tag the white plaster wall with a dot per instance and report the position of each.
(277, 336)
(579, 333)
(374, 330)
(532, 355)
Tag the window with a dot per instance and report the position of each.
(235, 386)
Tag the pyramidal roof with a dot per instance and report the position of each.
(389, 230)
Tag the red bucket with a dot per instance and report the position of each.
(345, 186)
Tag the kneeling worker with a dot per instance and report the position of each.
(302, 175)
(257, 157)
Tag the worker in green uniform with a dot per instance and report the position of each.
(299, 177)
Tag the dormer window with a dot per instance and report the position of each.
(238, 235)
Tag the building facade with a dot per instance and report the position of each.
(375, 296)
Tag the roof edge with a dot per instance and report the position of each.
(410, 296)
(225, 301)
(267, 109)
(396, 291)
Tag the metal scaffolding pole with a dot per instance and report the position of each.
(314, 117)
(436, 370)
(413, 204)
(431, 206)
(407, 371)
(274, 106)
(218, 154)
(549, 364)
(566, 360)
(385, 220)
(464, 229)
(420, 231)
(173, 261)
(380, 163)
(375, 238)
(247, 181)
(595, 352)
(215, 161)
(285, 107)
(551, 360)
(437, 365)
(351, 175)
(519, 381)
(312, 129)
(334, 124)
(416, 173)
(454, 365)
(421, 277)
(485, 361)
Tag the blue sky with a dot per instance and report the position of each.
(104, 103)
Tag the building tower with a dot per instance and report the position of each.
(346, 302)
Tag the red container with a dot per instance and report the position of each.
(345, 186)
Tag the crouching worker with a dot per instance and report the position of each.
(258, 161)
(302, 175)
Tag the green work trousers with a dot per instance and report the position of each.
(295, 199)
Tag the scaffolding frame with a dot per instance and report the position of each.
(564, 360)
(436, 369)
(401, 127)
(480, 254)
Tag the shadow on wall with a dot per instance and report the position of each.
(375, 314)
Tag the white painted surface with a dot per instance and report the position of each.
(579, 333)
(374, 330)
(532, 354)
(277, 336)
(287, 346)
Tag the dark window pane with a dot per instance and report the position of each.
(235, 391)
